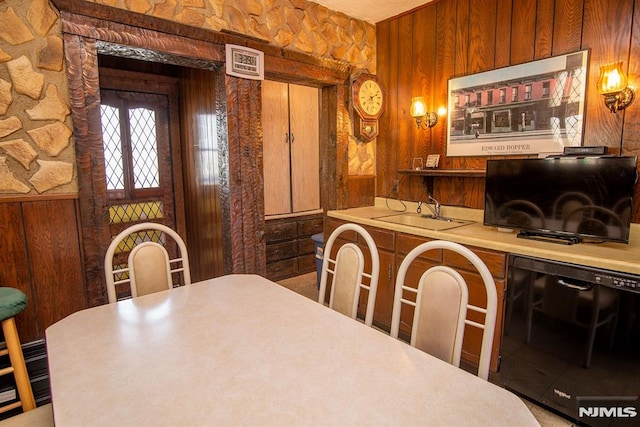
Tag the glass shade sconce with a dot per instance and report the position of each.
(424, 119)
(612, 85)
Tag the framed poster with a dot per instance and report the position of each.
(531, 108)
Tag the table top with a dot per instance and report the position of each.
(242, 350)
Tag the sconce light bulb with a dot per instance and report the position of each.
(418, 107)
(612, 79)
(442, 111)
(612, 84)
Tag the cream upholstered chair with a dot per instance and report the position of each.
(148, 268)
(441, 301)
(347, 273)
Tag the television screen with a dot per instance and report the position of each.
(565, 199)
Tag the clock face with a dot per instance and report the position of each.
(370, 97)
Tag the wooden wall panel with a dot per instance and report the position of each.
(607, 46)
(406, 75)
(360, 190)
(462, 38)
(631, 128)
(53, 244)
(544, 29)
(341, 151)
(462, 56)
(481, 35)
(422, 84)
(568, 25)
(446, 30)
(523, 40)
(482, 40)
(15, 272)
(388, 139)
(503, 33)
(328, 142)
(385, 165)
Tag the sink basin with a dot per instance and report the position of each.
(427, 222)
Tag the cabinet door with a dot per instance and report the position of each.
(275, 124)
(384, 296)
(305, 147)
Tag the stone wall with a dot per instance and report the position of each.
(36, 150)
(36, 142)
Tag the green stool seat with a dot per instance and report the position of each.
(12, 302)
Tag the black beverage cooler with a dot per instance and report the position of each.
(572, 340)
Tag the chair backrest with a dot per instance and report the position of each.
(568, 202)
(595, 220)
(522, 213)
(148, 268)
(347, 273)
(440, 306)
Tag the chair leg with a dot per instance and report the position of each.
(17, 362)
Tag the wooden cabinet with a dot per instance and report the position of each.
(393, 248)
(290, 250)
(291, 136)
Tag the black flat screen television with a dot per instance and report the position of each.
(562, 199)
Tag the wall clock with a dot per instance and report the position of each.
(368, 104)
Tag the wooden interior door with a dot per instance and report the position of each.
(277, 168)
(305, 148)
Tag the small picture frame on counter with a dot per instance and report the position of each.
(433, 160)
(417, 164)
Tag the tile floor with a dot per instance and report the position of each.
(306, 285)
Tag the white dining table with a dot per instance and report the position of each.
(242, 350)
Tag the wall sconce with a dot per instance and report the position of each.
(612, 84)
(424, 119)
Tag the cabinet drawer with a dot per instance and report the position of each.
(279, 251)
(384, 239)
(306, 264)
(306, 246)
(282, 269)
(407, 242)
(278, 231)
(331, 226)
(309, 227)
(495, 261)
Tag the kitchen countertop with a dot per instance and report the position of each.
(607, 255)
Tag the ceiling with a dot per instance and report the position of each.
(371, 10)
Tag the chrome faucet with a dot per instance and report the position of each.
(435, 209)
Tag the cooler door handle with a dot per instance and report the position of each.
(582, 286)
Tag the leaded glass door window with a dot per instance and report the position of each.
(137, 160)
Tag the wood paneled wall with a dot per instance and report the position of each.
(417, 53)
(40, 246)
